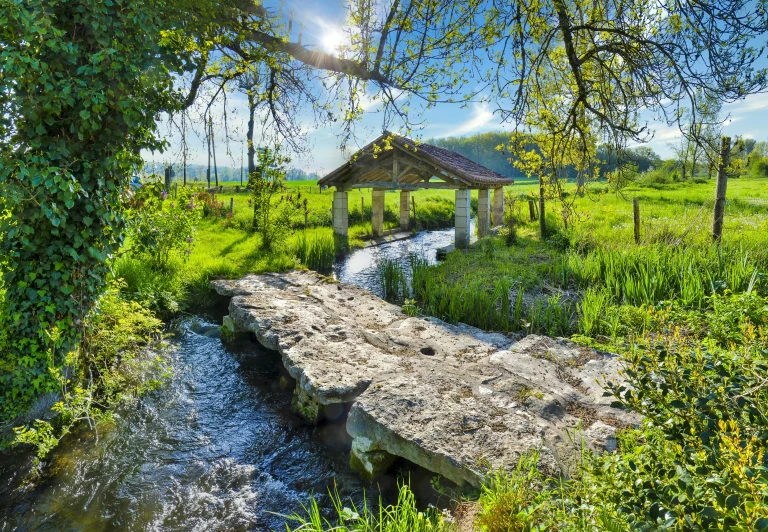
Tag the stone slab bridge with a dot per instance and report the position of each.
(394, 162)
(450, 398)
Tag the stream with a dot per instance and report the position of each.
(214, 448)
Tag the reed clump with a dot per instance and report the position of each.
(318, 253)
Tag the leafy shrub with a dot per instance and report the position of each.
(211, 207)
(700, 463)
(111, 365)
(159, 227)
(273, 205)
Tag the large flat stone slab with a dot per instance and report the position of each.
(453, 399)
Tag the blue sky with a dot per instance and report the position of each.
(321, 23)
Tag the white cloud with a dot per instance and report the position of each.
(753, 102)
(481, 117)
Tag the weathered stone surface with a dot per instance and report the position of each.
(452, 399)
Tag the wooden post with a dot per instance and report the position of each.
(362, 209)
(306, 218)
(722, 184)
(532, 210)
(636, 215)
(231, 205)
(413, 202)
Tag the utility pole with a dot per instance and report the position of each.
(213, 142)
(208, 172)
(184, 145)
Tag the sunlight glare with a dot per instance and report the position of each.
(333, 38)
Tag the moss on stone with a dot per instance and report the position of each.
(306, 406)
(371, 464)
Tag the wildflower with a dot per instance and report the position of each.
(164, 195)
(190, 240)
(230, 214)
(173, 204)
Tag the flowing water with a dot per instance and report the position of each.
(361, 266)
(215, 448)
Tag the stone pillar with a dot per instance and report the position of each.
(341, 213)
(306, 407)
(497, 211)
(377, 212)
(462, 219)
(483, 212)
(405, 210)
(367, 459)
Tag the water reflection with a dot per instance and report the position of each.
(361, 266)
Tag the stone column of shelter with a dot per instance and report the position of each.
(405, 210)
(341, 213)
(497, 210)
(483, 212)
(377, 212)
(461, 239)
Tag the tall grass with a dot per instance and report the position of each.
(403, 516)
(647, 275)
(318, 254)
(394, 285)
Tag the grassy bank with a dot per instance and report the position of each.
(690, 320)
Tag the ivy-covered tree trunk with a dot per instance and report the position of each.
(79, 94)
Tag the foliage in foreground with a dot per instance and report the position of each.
(82, 82)
(401, 516)
(113, 364)
(696, 462)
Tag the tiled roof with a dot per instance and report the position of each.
(469, 172)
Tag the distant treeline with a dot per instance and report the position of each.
(481, 148)
(198, 173)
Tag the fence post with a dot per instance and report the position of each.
(306, 218)
(231, 205)
(532, 210)
(722, 184)
(413, 202)
(362, 209)
(636, 215)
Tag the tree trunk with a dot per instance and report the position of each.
(251, 147)
(208, 171)
(184, 144)
(693, 161)
(215, 168)
(722, 184)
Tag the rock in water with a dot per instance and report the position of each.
(476, 401)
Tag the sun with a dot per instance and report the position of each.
(333, 39)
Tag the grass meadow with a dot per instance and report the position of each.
(689, 318)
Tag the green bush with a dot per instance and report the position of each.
(112, 364)
(159, 227)
(700, 463)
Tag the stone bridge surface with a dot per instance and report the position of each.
(452, 399)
